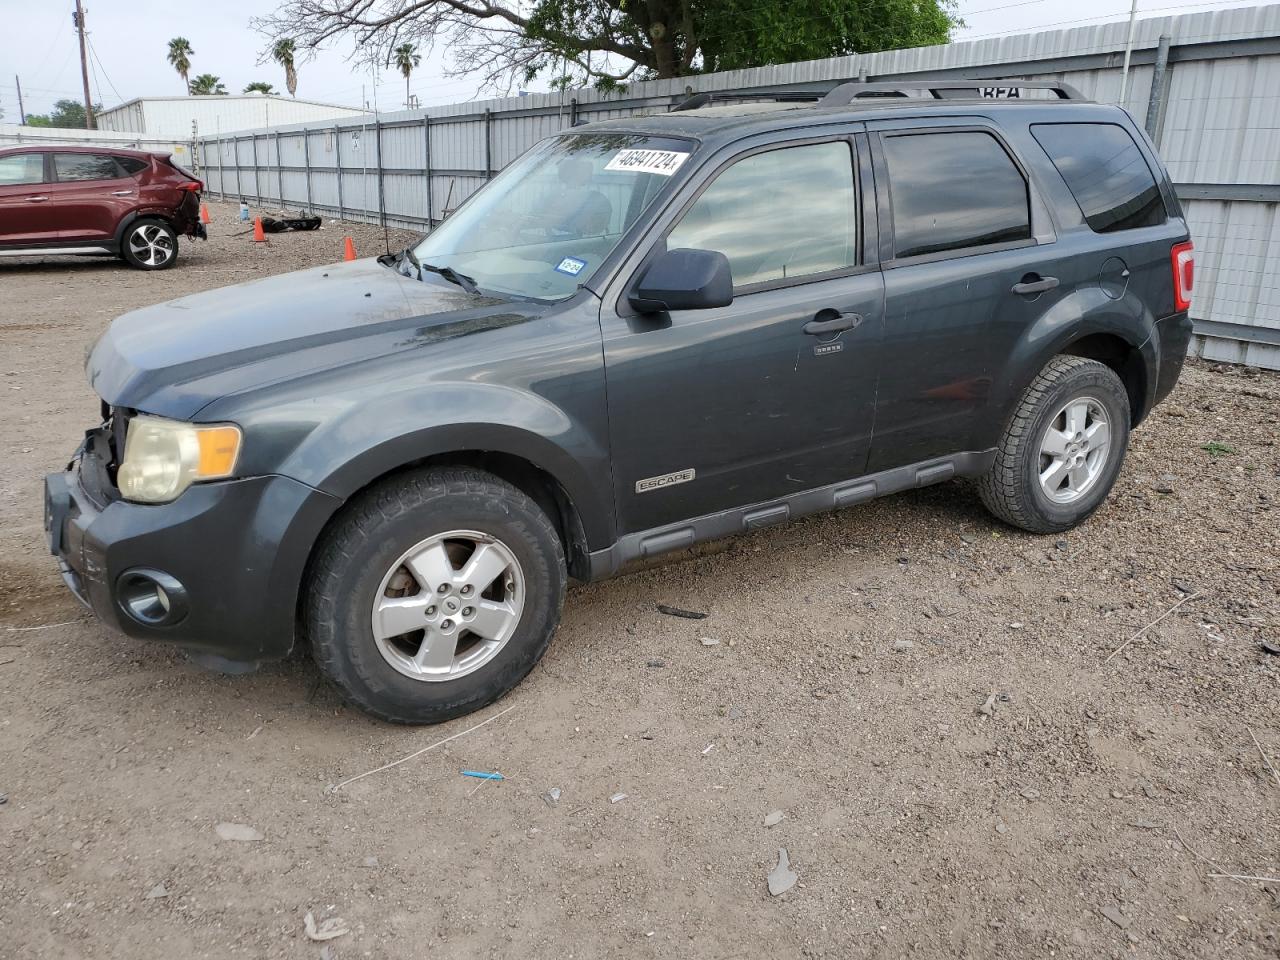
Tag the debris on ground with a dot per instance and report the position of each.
(781, 878)
(902, 646)
(656, 664)
(773, 818)
(677, 612)
(328, 929)
(708, 748)
(1030, 794)
(988, 707)
(617, 798)
(156, 892)
(709, 641)
(552, 796)
(1115, 916)
(237, 831)
(481, 775)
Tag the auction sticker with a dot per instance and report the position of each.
(571, 265)
(663, 162)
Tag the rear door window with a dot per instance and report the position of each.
(778, 215)
(954, 190)
(19, 168)
(85, 166)
(132, 165)
(1105, 172)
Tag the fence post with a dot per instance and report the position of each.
(235, 149)
(426, 137)
(279, 170)
(377, 140)
(1156, 99)
(573, 112)
(222, 177)
(337, 159)
(306, 162)
(488, 144)
(257, 186)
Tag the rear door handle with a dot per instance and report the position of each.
(122, 193)
(831, 321)
(1034, 283)
(36, 199)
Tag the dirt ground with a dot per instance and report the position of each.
(1085, 816)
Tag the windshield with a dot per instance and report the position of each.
(545, 224)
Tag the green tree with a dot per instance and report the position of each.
(607, 42)
(180, 54)
(406, 58)
(208, 85)
(282, 53)
(259, 86)
(65, 113)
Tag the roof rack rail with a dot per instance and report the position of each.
(699, 100)
(846, 93)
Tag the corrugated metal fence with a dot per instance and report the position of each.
(1206, 85)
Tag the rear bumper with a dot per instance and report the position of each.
(1173, 334)
(236, 549)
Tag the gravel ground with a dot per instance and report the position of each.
(928, 697)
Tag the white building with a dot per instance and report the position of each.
(213, 116)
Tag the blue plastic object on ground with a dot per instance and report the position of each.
(482, 776)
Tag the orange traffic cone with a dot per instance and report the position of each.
(258, 235)
(204, 214)
(348, 249)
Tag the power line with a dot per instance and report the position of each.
(98, 60)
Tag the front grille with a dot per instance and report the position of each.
(100, 458)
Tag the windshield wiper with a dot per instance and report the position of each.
(450, 274)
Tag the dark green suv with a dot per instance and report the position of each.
(643, 334)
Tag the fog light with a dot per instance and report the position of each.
(151, 598)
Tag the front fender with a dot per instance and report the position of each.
(357, 445)
(1087, 312)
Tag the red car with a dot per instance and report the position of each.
(96, 201)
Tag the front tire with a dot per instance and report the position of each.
(1062, 449)
(434, 594)
(149, 244)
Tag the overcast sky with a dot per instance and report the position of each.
(129, 39)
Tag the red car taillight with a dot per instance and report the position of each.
(1184, 267)
(193, 186)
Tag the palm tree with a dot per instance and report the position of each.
(259, 86)
(282, 53)
(406, 59)
(207, 85)
(180, 54)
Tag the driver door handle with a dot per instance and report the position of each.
(36, 199)
(1034, 283)
(831, 322)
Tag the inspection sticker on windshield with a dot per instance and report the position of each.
(664, 162)
(571, 265)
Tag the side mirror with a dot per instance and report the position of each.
(684, 280)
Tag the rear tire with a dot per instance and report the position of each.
(465, 563)
(1062, 449)
(149, 244)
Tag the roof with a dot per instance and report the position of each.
(35, 147)
(732, 121)
(230, 97)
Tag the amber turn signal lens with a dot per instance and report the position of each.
(218, 449)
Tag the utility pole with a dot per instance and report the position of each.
(1128, 51)
(22, 114)
(78, 17)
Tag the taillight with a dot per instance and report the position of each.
(193, 186)
(1184, 266)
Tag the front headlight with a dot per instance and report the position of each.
(164, 457)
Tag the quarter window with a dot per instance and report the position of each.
(85, 166)
(1105, 172)
(952, 191)
(20, 168)
(778, 215)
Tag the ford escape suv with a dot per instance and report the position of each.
(644, 333)
(96, 201)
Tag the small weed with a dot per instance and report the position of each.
(1215, 449)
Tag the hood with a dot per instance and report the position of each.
(176, 357)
